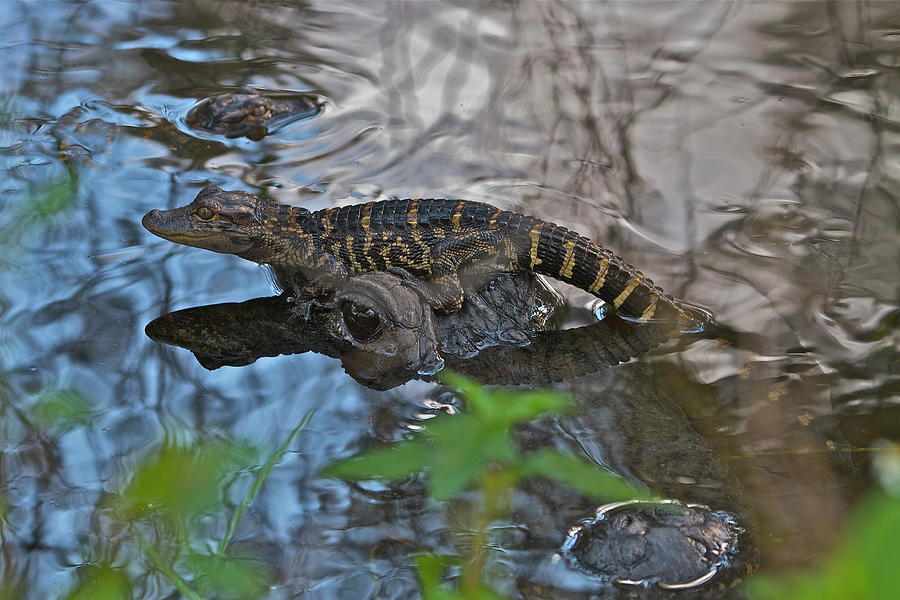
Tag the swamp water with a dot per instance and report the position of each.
(745, 155)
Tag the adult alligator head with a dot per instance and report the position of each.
(247, 113)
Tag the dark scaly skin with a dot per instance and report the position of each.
(430, 242)
(404, 336)
(248, 113)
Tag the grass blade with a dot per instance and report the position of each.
(167, 571)
(259, 480)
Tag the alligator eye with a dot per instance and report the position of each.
(363, 323)
(260, 111)
(204, 213)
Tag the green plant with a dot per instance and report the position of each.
(61, 409)
(863, 565)
(159, 506)
(4, 509)
(42, 205)
(101, 582)
(477, 449)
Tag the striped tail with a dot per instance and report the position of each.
(575, 259)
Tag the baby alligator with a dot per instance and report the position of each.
(248, 113)
(429, 242)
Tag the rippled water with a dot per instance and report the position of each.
(743, 154)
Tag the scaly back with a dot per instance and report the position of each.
(417, 234)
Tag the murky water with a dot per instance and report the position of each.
(743, 154)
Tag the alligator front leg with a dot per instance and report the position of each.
(328, 276)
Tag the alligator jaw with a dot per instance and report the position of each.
(173, 225)
(177, 225)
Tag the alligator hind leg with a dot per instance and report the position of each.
(442, 289)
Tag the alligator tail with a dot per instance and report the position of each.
(565, 255)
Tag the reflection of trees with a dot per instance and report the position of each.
(588, 103)
(72, 306)
(819, 196)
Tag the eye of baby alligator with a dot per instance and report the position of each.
(363, 323)
(204, 213)
(260, 111)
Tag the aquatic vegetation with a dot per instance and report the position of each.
(42, 205)
(161, 507)
(180, 481)
(477, 449)
(100, 582)
(863, 564)
(61, 409)
(457, 452)
(53, 197)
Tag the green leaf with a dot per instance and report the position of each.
(181, 482)
(164, 568)
(870, 553)
(395, 462)
(506, 407)
(518, 407)
(444, 593)
(101, 582)
(62, 409)
(474, 393)
(431, 568)
(53, 197)
(464, 446)
(586, 477)
(12, 591)
(227, 577)
(863, 565)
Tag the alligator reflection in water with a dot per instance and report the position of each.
(385, 335)
(628, 422)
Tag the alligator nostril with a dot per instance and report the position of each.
(210, 189)
(150, 218)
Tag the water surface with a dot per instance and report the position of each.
(745, 155)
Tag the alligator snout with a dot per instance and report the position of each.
(151, 220)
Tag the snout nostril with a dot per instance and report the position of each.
(150, 219)
(210, 189)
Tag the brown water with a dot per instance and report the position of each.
(746, 155)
